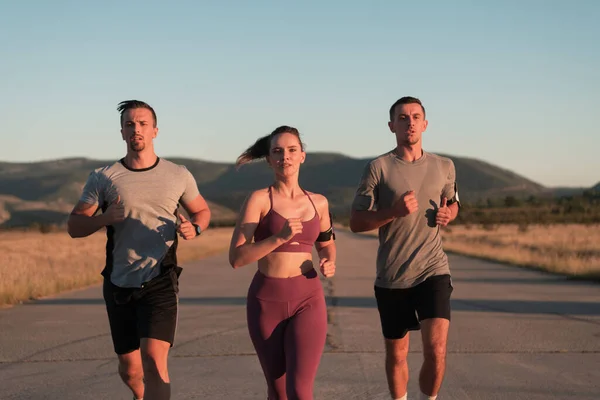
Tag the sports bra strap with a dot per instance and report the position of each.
(304, 191)
(311, 202)
(270, 198)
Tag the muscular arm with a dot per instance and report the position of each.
(369, 220)
(365, 215)
(241, 250)
(198, 211)
(450, 191)
(363, 221)
(83, 222)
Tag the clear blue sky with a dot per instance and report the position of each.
(514, 83)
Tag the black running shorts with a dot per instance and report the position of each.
(401, 310)
(147, 312)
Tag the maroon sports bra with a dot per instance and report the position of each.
(273, 222)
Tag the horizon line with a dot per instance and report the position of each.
(308, 152)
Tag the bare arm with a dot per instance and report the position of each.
(365, 215)
(453, 211)
(449, 212)
(451, 190)
(363, 221)
(196, 207)
(242, 251)
(199, 212)
(83, 222)
(326, 250)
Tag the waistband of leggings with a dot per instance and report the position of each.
(284, 289)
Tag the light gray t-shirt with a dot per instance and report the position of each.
(137, 246)
(410, 248)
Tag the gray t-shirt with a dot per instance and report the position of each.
(410, 248)
(146, 239)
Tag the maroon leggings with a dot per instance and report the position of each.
(287, 321)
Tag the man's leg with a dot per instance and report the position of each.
(157, 309)
(397, 316)
(122, 319)
(433, 309)
(396, 365)
(132, 373)
(154, 357)
(434, 332)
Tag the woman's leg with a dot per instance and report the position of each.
(266, 325)
(304, 344)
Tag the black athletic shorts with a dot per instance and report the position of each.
(401, 310)
(147, 312)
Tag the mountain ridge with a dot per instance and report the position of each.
(58, 183)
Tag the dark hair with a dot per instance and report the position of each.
(129, 104)
(260, 149)
(405, 100)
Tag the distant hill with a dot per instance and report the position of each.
(573, 191)
(480, 180)
(46, 191)
(15, 212)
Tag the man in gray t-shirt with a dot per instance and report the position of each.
(408, 194)
(139, 197)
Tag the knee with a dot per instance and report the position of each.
(396, 355)
(435, 354)
(155, 367)
(130, 372)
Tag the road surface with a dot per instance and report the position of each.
(515, 334)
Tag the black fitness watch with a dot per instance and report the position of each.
(198, 229)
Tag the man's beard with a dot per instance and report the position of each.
(137, 145)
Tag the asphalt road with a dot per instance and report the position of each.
(515, 334)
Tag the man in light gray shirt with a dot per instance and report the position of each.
(139, 196)
(408, 194)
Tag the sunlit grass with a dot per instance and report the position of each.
(568, 249)
(34, 264)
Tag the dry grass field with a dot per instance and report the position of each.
(34, 264)
(568, 249)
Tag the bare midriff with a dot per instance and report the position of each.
(285, 265)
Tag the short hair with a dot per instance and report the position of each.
(405, 100)
(130, 104)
